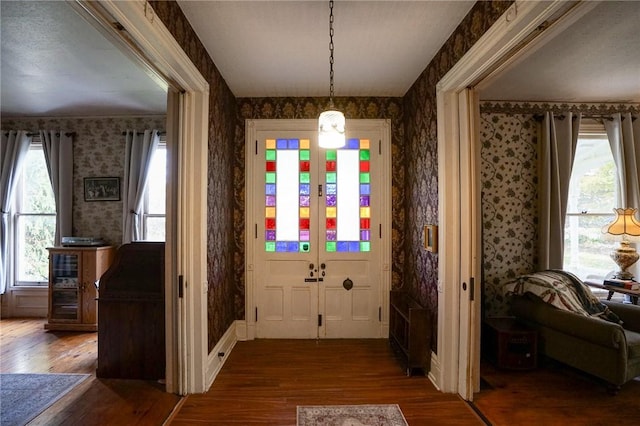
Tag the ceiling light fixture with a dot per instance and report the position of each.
(331, 123)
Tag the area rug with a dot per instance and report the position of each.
(351, 415)
(24, 396)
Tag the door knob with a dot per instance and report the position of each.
(347, 284)
(311, 266)
(322, 266)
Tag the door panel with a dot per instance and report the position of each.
(313, 215)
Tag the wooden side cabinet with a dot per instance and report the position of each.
(410, 332)
(509, 344)
(73, 272)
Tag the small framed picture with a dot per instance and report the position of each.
(431, 238)
(102, 189)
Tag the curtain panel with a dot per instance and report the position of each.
(138, 154)
(13, 150)
(623, 133)
(559, 139)
(58, 154)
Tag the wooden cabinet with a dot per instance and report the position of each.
(73, 272)
(509, 344)
(131, 329)
(410, 332)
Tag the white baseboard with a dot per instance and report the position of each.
(225, 346)
(241, 330)
(435, 371)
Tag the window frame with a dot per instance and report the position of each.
(591, 129)
(145, 205)
(17, 215)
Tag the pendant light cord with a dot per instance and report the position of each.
(331, 52)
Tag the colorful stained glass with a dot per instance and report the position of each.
(347, 198)
(287, 195)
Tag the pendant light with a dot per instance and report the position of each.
(331, 123)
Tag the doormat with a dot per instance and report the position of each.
(24, 396)
(351, 415)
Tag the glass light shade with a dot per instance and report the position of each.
(331, 129)
(627, 227)
(625, 224)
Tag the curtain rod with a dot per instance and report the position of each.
(607, 117)
(162, 133)
(57, 134)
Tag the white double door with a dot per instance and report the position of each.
(318, 268)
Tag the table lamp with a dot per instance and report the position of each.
(626, 227)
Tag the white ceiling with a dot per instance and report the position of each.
(56, 64)
(597, 59)
(281, 48)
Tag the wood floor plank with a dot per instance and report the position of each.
(554, 394)
(25, 347)
(263, 382)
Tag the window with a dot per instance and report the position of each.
(592, 197)
(34, 220)
(153, 216)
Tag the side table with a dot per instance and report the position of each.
(509, 344)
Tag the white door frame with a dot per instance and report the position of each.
(246, 330)
(186, 246)
(452, 372)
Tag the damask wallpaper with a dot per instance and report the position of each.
(221, 250)
(98, 150)
(421, 157)
(414, 163)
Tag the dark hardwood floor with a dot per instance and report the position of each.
(554, 394)
(263, 381)
(26, 347)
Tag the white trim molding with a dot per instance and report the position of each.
(220, 353)
(506, 35)
(149, 40)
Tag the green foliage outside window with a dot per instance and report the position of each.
(36, 220)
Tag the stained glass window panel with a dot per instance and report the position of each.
(287, 195)
(348, 195)
(347, 198)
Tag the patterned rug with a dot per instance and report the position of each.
(24, 396)
(351, 415)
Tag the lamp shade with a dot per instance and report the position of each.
(625, 224)
(331, 129)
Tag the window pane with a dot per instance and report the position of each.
(37, 196)
(287, 194)
(586, 252)
(155, 227)
(348, 198)
(592, 194)
(35, 234)
(593, 183)
(288, 198)
(157, 182)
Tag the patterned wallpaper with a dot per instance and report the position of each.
(509, 179)
(98, 150)
(510, 146)
(220, 190)
(413, 151)
(301, 108)
(421, 158)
